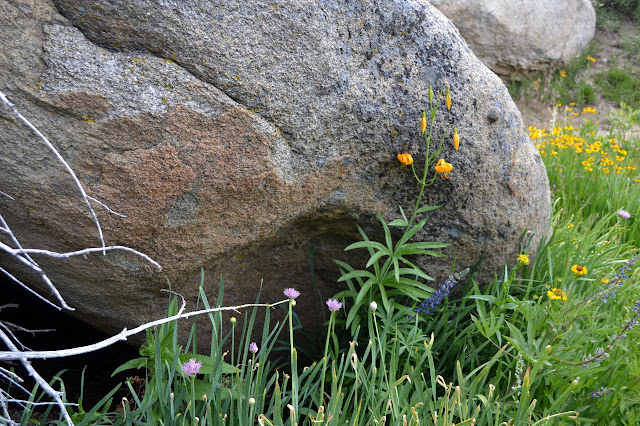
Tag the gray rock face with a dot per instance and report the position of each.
(236, 135)
(510, 36)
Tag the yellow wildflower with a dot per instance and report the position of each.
(619, 158)
(570, 225)
(523, 259)
(591, 58)
(563, 73)
(556, 294)
(579, 270)
(444, 168)
(405, 159)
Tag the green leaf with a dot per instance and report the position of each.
(485, 297)
(425, 245)
(396, 268)
(411, 232)
(366, 244)
(428, 208)
(377, 256)
(132, 364)
(387, 234)
(414, 271)
(398, 222)
(356, 274)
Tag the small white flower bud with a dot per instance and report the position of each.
(373, 306)
(252, 401)
(233, 320)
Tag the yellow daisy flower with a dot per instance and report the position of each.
(556, 294)
(579, 270)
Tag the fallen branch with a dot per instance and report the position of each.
(62, 160)
(123, 335)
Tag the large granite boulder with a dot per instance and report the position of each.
(512, 37)
(237, 135)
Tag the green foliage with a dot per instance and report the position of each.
(394, 273)
(509, 351)
(564, 86)
(617, 10)
(620, 86)
(96, 415)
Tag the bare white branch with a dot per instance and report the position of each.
(35, 293)
(62, 160)
(15, 327)
(12, 377)
(5, 227)
(123, 335)
(3, 324)
(23, 255)
(43, 276)
(37, 377)
(22, 401)
(8, 305)
(104, 206)
(49, 253)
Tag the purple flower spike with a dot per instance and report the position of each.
(624, 214)
(191, 367)
(253, 347)
(334, 305)
(291, 293)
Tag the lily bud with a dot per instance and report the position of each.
(456, 139)
(423, 122)
(448, 100)
(430, 94)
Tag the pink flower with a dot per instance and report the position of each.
(191, 367)
(291, 293)
(334, 305)
(624, 214)
(253, 347)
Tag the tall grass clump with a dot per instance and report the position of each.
(550, 340)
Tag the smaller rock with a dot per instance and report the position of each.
(511, 37)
